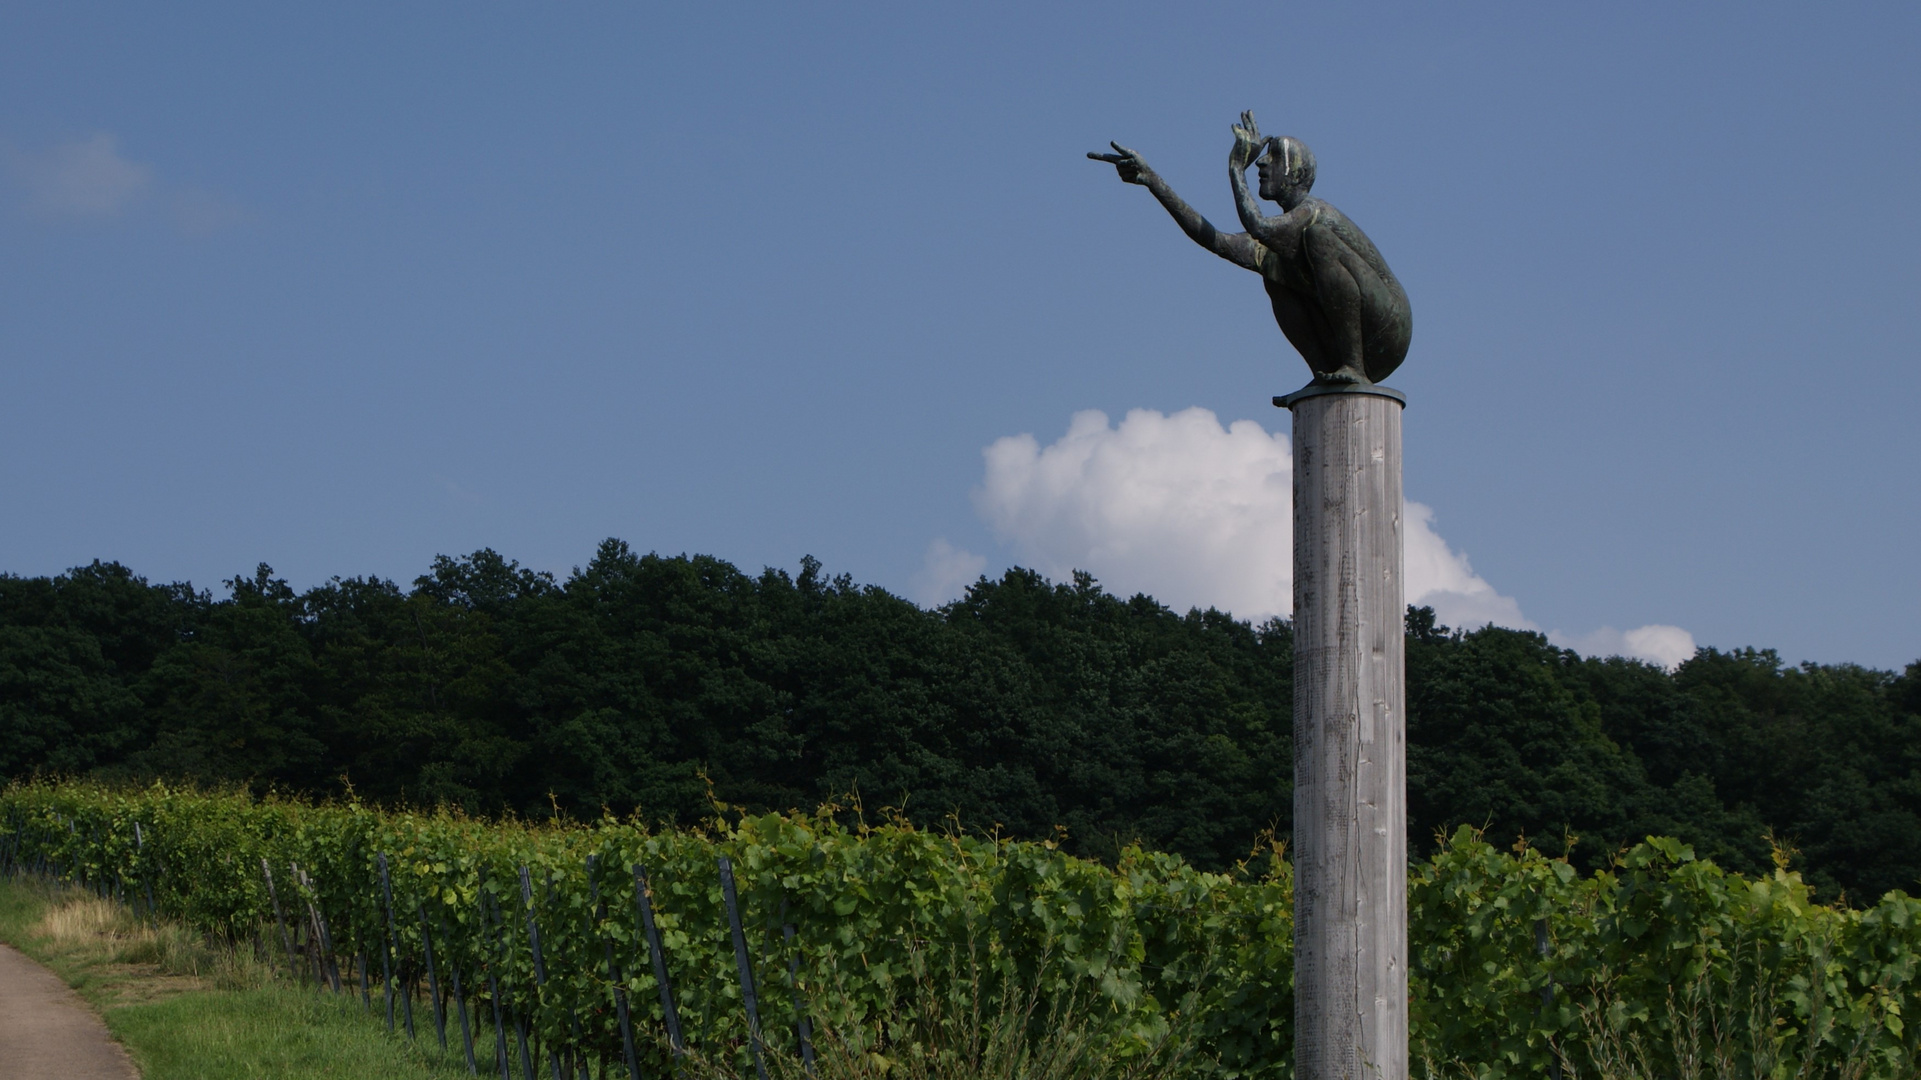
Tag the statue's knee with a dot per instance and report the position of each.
(1336, 286)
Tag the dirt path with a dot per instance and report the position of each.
(47, 1032)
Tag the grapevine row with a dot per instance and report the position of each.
(615, 944)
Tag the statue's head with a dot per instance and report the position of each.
(1287, 170)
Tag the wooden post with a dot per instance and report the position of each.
(597, 924)
(460, 999)
(146, 876)
(1350, 755)
(387, 953)
(322, 935)
(491, 938)
(540, 963)
(803, 1024)
(433, 976)
(279, 917)
(643, 899)
(744, 963)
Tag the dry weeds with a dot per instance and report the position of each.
(133, 961)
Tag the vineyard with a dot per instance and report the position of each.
(611, 949)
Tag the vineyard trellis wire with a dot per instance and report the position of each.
(613, 945)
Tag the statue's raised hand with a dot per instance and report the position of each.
(1247, 141)
(1126, 162)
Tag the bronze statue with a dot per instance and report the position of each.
(1333, 294)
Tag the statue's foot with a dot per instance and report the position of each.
(1347, 376)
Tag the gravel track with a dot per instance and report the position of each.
(48, 1033)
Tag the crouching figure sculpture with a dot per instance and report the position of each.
(1333, 294)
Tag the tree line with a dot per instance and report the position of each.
(663, 685)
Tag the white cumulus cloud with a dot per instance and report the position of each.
(1192, 512)
(83, 178)
(945, 573)
(1175, 506)
(1200, 514)
(1440, 577)
(1656, 643)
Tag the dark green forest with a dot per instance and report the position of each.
(658, 685)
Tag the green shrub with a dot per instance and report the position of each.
(1519, 966)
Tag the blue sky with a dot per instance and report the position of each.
(345, 287)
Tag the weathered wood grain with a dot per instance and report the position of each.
(1350, 787)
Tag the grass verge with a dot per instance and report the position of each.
(187, 1010)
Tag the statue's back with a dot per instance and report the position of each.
(1330, 237)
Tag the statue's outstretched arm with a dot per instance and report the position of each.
(1236, 248)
